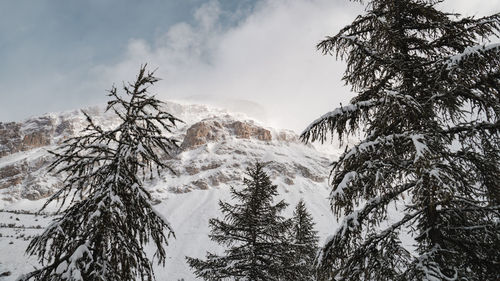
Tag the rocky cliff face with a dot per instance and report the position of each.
(36, 132)
(217, 130)
(23, 160)
(216, 147)
(24, 153)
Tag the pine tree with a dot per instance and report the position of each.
(304, 244)
(101, 235)
(253, 231)
(428, 108)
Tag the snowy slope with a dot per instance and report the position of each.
(217, 146)
(188, 214)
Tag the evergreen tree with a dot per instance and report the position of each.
(254, 232)
(428, 105)
(304, 244)
(101, 235)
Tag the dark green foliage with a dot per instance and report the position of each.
(428, 106)
(303, 245)
(102, 233)
(253, 231)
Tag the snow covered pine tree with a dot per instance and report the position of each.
(253, 230)
(304, 244)
(102, 233)
(428, 105)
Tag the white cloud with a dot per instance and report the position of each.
(476, 8)
(269, 57)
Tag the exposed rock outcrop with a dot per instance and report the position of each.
(10, 175)
(203, 132)
(213, 130)
(10, 138)
(33, 133)
(248, 130)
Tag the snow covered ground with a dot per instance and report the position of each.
(188, 213)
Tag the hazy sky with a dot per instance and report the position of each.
(58, 55)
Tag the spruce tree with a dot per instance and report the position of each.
(253, 231)
(427, 109)
(105, 216)
(304, 244)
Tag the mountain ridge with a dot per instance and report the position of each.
(216, 146)
(212, 132)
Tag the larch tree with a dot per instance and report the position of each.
(105, 216)
(253, 231)
(428, 162)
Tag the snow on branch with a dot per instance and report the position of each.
(475, 126)
(469, 51)
(420, 147)
(353, 221)
(337, 119)
(370, 146)
(339, 189)
(318, 128)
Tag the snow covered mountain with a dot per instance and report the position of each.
(216, 147)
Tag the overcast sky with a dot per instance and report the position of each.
(59, 55)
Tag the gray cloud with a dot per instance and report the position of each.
(268, 57)
(263, 52)
(49, 48)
